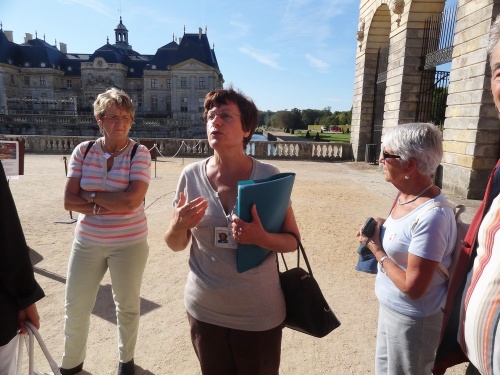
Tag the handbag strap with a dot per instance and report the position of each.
(33, 333)
(300, 249)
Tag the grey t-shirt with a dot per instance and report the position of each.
(215, 292)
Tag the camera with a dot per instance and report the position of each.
(368, 228)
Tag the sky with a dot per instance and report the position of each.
(284, 54)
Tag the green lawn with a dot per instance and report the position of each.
(326, 137)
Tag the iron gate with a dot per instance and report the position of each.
(437, 48)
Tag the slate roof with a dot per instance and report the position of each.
(36, 52)
(8, 50)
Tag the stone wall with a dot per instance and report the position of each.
(471, 132)
(317, 151)
(86, 126)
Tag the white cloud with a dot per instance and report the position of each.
(316, 63)
(240, 29)
(264, 57)
(95, 5)
(310, 21)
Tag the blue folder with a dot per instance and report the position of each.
(271, 196)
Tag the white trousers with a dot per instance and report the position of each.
(406, 345)
(8, 357)
(86, 269)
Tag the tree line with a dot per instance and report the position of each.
(300, 119)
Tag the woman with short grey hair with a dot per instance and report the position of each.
(413, 247)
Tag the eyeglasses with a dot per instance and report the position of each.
(115, 119)
(223, 115)
(385, 155)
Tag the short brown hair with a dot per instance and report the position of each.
(248, 109)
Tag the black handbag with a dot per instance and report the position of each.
(306, 309)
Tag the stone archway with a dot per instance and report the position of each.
(376, 35)
(471, 130)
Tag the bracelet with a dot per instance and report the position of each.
(381, 262)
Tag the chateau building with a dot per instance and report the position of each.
(38, 79)
(426, 61)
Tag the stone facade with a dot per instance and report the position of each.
(37, 78)
(471, 131)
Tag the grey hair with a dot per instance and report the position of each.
(494, 38)
(420, 141)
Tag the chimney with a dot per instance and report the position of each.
(9, 35)
(180, 40)
(28, 37)
(199, 33)
(63, 47)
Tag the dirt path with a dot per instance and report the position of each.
(331, 200)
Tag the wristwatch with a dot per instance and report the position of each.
(381, 262)
(92, 196)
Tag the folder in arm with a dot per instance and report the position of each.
(271, 196)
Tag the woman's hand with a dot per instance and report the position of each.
(30, 313)
(248, 233)
(254, 233)
(373, 242)
(186, 215)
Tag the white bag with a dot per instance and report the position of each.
(29, 340)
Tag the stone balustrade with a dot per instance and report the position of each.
(169, 147)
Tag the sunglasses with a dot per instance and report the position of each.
(385, 155)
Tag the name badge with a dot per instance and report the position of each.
(224, 238)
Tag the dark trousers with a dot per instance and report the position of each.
(226, 351)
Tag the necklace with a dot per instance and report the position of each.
(107, 154)
(418, 195)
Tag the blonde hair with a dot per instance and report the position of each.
(113, 96)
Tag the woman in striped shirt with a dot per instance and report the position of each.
(107, 182)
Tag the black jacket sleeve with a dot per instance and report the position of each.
(18, 287)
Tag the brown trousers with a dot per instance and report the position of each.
(226, 351)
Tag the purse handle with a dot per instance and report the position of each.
(300, 249)
(29, 339)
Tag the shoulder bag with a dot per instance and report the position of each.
(306, 308)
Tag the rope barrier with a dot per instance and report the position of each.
(179, 150)
(161, 196)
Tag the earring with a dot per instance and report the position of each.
(407, 177)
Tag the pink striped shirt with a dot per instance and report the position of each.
(113, 228)
(479, 333)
